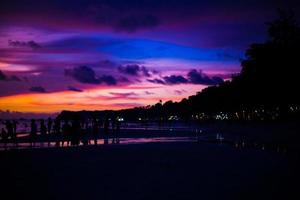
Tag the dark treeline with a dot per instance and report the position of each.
(266, 88)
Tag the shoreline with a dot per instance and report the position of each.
(148, 171)
(282, 136)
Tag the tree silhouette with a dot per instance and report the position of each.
(269, 72)
(268, 80)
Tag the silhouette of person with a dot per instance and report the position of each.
(9, 128)
(43, 129)
(113, 128)
(49, 125)
(66, 131)
(95, 130)
(105, 130)
(57, 130)
(84, 132)
(57, 127)
(75, 132)
(3, 133)
(118, 129)
(4, 136)
(33, 132)
(14, 128)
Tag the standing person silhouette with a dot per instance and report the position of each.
(57, 130)
(49, 125)
(72, 133)
(105, 130)
(57, 127)
(43, 129)
(9, 128)
(33, 132)
(84, 132)
(95, 130)
(113, 128)
(76, 131)
(66, 133)
(4, 137)
(14, 124)
(118, 129)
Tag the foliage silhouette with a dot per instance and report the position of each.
(268, 80)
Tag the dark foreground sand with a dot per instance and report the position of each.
(148, 171)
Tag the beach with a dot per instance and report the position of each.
(163, 170)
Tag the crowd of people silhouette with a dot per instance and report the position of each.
(65, 132)
(10, 130)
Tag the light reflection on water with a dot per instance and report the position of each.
(128, 141)
(120, 141)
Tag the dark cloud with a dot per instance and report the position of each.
(38, 89)
(127, 95)
(157, 81)
(4, 77)
(30, 44)
(179, 92)
(170, 80)
(71, 88)
(193, 77)
(198, 77)
(124, 79)
(107, 63)
(135, 70)
(117, 95)
(84, 74)
(25, 79)
(80, 42)
(131, 15)
(132, 23)
(175, 79)
(126, 105)
(149, 93)
(146, 72)
(15, 78)
(121, 16)
(126, 16)
(107, 79)
(130, 69)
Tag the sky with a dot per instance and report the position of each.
(114, 54)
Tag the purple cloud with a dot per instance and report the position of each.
(4, 77)
(71, 88)
(149, 93)
(31, 44)
(107, 79)
(179, 92)
(193, 77)
(132, 23)
(38, 89)
(127, 95)
(87, 75)
(134, 70)
(157, 81)
(198, 77)
(175, 79)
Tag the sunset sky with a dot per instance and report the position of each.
(90, 54)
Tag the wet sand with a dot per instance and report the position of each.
(182, 170)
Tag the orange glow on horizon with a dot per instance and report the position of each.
(92, 99)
